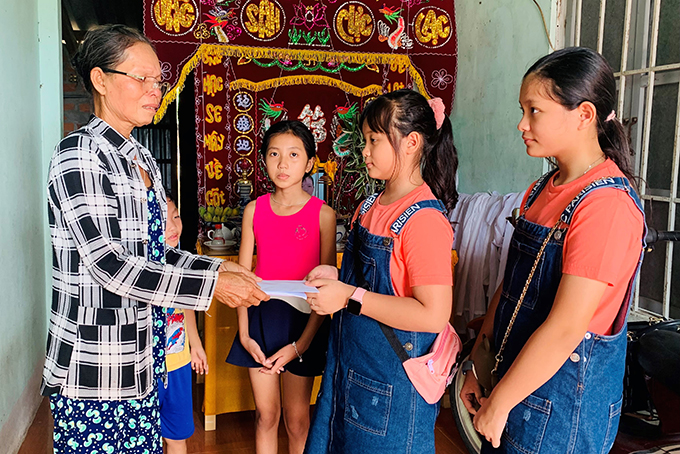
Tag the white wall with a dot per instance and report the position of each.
(497, 42)
(30, 126)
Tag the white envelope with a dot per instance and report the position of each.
(287, 288)
(292, 292)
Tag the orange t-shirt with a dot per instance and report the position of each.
(422, 252)
(603, 241)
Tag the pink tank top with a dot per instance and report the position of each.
(288, 247)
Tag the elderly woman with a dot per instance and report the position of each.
(112, 272)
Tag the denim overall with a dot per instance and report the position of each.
(367, 403)
(578, 409)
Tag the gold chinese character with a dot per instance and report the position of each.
(430, 27)
(358, 22)
(214, 169)
(263, 20)
(210, 58)
(214, 141)
(212, 84)
(213, 114)
(214, 197)
(174, 14)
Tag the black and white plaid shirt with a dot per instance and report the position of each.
(100, 336)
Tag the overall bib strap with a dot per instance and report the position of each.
(403, 218)
(368, 203)
(619, 183)
(538, 188)
(396, 228)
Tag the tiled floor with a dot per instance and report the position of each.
(234, 434)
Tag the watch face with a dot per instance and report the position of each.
(353, 306)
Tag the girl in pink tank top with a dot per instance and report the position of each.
(279, 238)
(293, 232)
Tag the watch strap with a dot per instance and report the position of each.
(358, 294)
(355, 302)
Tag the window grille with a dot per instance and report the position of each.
(159, 140)
(641, 41)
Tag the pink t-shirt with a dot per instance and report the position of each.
(288, 247)
(422, 252)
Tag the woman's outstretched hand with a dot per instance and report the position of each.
(238, 289)
(234, 267)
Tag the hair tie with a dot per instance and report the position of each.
(437, 106)
(611, 116)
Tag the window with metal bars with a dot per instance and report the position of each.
(161, 140)
(641, 41)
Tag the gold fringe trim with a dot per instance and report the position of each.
(221, 50)
(306, 79)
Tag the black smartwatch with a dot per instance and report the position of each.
(356, 301)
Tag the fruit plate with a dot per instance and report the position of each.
(231, 222)
(220, 247)
(211, 217)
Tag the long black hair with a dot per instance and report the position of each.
(577, 74)
(294, 127)
(399, 113)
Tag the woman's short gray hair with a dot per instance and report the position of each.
(104, 47)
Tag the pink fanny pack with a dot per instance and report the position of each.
(431, 373)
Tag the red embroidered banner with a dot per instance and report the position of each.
(256, 62)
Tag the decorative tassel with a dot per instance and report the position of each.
(305, 79)
(210, 51)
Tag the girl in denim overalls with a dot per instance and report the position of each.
(401, 242)
(561, 371)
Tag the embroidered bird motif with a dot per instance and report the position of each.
(346, 112)
(391, 14)
(272, 110)
(397, 38)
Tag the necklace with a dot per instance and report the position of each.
(603, 157)
(284, 205)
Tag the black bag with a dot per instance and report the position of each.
(635, 394)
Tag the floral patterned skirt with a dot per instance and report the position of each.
(113, 426)
(107, 426)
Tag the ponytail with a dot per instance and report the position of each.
(439, 164)
(397, 114)
(613, 140)
(576, 75)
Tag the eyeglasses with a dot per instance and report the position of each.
(149, 83)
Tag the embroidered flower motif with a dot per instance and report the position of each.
(232, 32)
(166, 69)
(300, 232)
(310, 16)
(441, 79)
